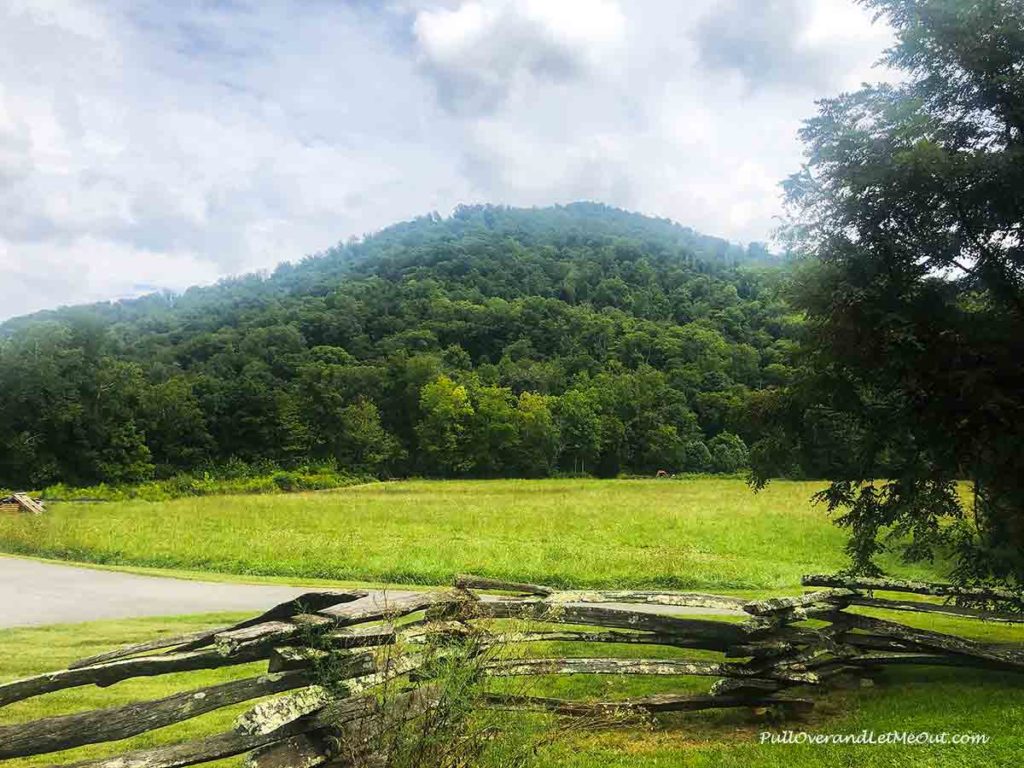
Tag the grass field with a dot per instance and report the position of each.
(706, 533)
(920, 699)
(34, 650)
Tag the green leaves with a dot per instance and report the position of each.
(583, 338)
(912, 209)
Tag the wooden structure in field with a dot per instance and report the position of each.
(782, 645)
(21, 502)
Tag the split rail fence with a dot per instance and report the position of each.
(21, 502)
(767, 651)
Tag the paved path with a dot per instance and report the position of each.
(34, 593)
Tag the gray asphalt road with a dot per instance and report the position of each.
(35, 593)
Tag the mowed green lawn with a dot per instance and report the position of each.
(710, 533)
(916, 699)
(30, 651)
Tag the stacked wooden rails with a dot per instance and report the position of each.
(779, 645)
(21, 502)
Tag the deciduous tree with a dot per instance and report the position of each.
(911, 213)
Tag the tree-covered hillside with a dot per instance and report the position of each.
(494, 342)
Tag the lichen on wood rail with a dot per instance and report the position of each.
(331, 654)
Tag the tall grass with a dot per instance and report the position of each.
(696, 533)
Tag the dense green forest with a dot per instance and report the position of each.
(494, 342)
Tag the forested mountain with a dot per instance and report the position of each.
(496, 341)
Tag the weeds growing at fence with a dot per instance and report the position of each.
(453, 726)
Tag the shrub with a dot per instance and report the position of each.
(728, 453)
(236, 478)
(698, 457)
(286, 481)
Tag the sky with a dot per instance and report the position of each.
(147, 145)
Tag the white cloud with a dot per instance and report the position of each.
(148, 144)
(655, 127)
(91, 269)
(479, 52)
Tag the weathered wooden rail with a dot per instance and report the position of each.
(779, 645)
(21, 502)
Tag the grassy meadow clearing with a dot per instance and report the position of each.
(917, 699)
(693, 533)
(705, 533)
